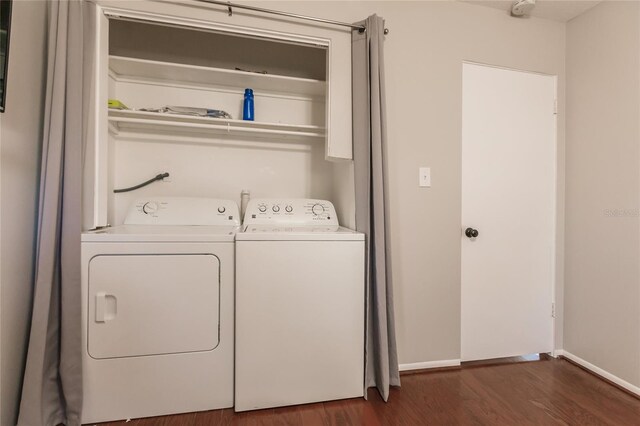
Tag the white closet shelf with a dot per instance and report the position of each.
(173, 73)
(154, 123)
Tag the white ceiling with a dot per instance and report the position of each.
(556, 10)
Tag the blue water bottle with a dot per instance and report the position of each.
(247, 108)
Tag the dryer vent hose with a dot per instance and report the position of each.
(143, 184)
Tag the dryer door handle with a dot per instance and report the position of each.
(105, 307)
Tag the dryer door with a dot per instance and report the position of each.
(153, 304)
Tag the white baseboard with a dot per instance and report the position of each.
(599, 371)
(429, 364)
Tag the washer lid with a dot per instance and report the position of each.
(161, 233)
(298, 233)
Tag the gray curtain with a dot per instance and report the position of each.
(372, 206)
(52, 385)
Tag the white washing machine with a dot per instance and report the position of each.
(158, 332)
(299, 305)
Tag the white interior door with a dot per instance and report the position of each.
(508, 197)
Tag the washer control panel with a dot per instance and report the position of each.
(290, 211)
(183, 211)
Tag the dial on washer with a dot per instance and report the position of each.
(317, 209)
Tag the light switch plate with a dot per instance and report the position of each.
(424, 179)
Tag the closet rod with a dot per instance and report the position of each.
(230, 6)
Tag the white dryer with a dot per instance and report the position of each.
(299, 305)
(158, 331)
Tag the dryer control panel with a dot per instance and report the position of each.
(183, 211)
(290, 211)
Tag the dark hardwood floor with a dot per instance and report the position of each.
(545, 392)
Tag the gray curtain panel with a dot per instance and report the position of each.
(52, 385)
(372, 209)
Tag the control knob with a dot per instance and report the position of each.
(221, 209)
(262, 208)
(150, 207)
(317, 209)
(288, 209)
(275, 209)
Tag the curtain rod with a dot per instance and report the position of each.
(230, 7)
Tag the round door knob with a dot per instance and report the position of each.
(471, 233)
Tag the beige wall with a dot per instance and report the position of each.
(424, 51)
(20, 130)
(602, 318)
(424, 55)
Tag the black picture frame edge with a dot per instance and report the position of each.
(3, 100)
